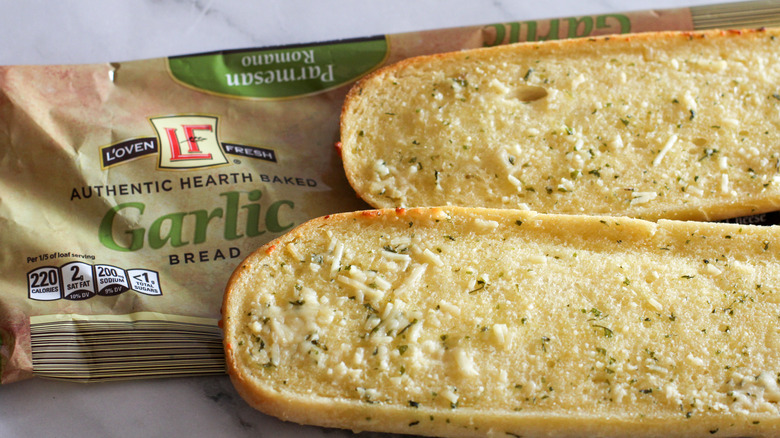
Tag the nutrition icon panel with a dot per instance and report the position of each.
(80, 281)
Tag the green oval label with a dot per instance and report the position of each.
(280, 72)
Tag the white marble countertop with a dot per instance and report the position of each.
(69, 31)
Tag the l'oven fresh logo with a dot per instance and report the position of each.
(182, 142)
(187, 142)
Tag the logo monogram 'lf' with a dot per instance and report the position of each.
(188, 142)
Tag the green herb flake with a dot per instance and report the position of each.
(708, 152)
(462, 82)
(480, 286)
(608, 333)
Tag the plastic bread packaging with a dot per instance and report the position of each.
(495, 322)
(653, 125)
(130, 190)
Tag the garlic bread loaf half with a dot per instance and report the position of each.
(677, 125)
(495, 322)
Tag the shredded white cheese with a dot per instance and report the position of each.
(381, 168)
(414, 276)
(465, 363)
(338, 253)
(432, 258)
(669, 144)
(500, 333)
(642, 197)
(485, 225)
(658, 307)
(449, 308)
